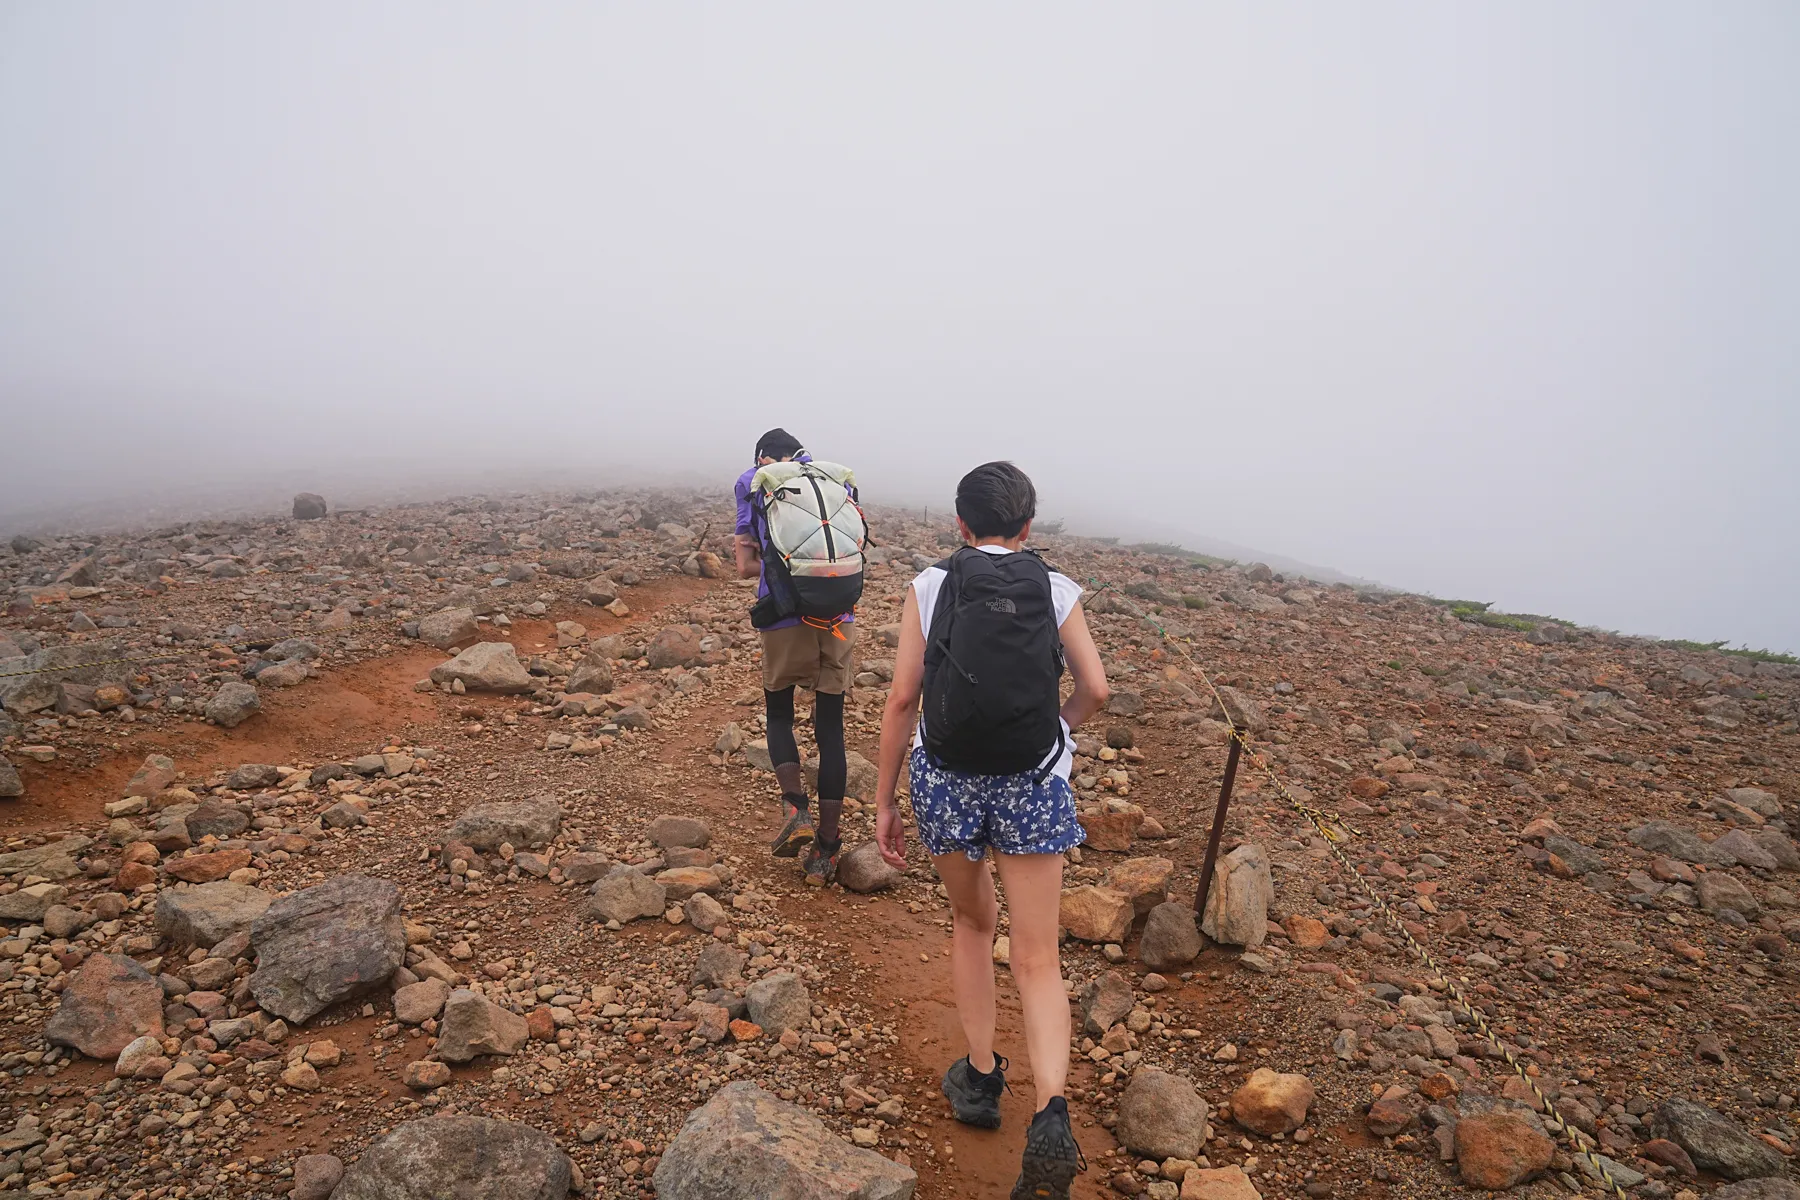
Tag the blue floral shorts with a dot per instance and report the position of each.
(1007, 813)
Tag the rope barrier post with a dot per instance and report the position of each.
(1218, 828)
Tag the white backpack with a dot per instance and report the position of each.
(814, 535)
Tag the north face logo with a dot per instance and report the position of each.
(1002, 604)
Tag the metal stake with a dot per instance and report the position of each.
(1218, 829)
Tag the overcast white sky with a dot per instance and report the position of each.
(1492, 300)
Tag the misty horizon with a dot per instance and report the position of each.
(1490, 302)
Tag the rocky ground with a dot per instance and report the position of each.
(454, 812)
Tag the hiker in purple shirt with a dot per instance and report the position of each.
(807, 652)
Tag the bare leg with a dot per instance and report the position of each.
(973, 915)
(1033, 899)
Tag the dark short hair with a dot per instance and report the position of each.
(777, 443)
(996, 500)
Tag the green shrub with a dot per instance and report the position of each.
(1193, 601)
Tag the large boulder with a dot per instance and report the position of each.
(1719, 890)
(1758, 1189)
(207, 914)
(1104, 1002)
(1095, 914)
(522, 823)
(1714, 1141)
(474, 1025)
(32, 859)
(1145, 880)
(309, 506)
(676, 832)
(326, 943)
(448, 1158)
(779, 1002)
(1764, 804)
(677, 646)
(233, 704)
(108, 1003)
(625, 894)
(592, 674)
(1161, 1116)
(864, 870)
(1270, 1103)
(1171, 938)
(745, 1143)
(1664, 837)
(448, 626)
(31, 903)
(1237, 908)
(486, 667)
(1744, 848)
(1498, 1150)
(11, 786)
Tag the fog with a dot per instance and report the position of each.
(1496, 301)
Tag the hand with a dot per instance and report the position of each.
(890, 836)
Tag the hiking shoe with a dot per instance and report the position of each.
(974, 1097)
(1052, 1157)
(820, 864)
(796, 835)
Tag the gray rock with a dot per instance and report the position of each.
(316, 1176)
(1781, 848)
(448, 626)
(704, 913)
(1743, 847)
(417, 1003)
(719, 965)
(216, 818)
(1244, 712)
(10, 784)
(208, 913)
(1161, 1116)
(1581, 859)
(624, 895)
(1237, 908)
(1765, 804)
(475, 1025)
(326, 943)
(31, 903)
(449, 1158)
(864, 870)
(1171, 937)
(1759, 1189)
(669, 831)
(486, 667)
(745, 1143)
(779, 1002)
(523, 823)
(309, 506)
(1719, 890)
(592, 674)
(24, 862)
(676, 646)
(251, 776)
(1663, 837)
(1104, 1003)
(1714, 1141)
(233, 704)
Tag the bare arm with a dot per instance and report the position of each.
(1091, 690)
(749, 556)
(901, 715)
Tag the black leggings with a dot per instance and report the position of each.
(828, 731)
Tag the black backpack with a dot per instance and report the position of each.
(993, 665)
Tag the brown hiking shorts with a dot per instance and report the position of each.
(814, 655)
